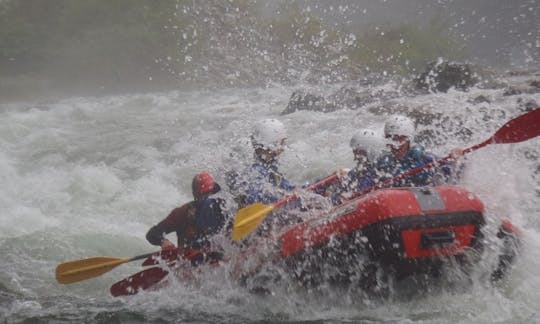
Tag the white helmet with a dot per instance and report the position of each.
(399, 125)
(368, 141)
(268, 134)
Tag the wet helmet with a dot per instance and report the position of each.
(368, 141)
(203, 184)
(268, 134)
(400, 126)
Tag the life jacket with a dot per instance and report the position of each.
(209, 220)
(361, 178)
(271, 173)
(415, 157)
(208, 216)
(357, 179)
(263, 178)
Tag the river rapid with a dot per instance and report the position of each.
(88, 176)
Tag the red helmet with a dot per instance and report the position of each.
(203, 184)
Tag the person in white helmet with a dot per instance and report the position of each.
(366, 146)
(405, 155)
(263, 182)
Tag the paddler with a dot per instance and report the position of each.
(366, 146)
(263, 181)
(405, 155)
(194, 222)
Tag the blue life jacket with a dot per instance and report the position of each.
(416, 157)
(356, 180)
(262, 181)
(361, 179)
(209, 218)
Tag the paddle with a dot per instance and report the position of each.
(249, 218)
(517, 130)
(142, 280)
(79, 270)
(195, 256)
(163, 255)
(149, 277)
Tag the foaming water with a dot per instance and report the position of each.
(88, 177)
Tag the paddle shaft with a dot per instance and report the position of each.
(316, 185)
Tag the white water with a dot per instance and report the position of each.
(88, 177)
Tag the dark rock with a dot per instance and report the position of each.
(352, 99)
(490, 113)
(389, 108)
(512, 91)
(348, 98)
(301, 100)
(423, 116)
(480, 99)
(344, 98)
(529, 87)
(440, 76)
(527, 105)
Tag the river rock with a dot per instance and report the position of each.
(440, 76)
(302, 100)
(529, 87)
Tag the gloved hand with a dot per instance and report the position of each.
(342, 172)
(167, 245)
(456, 153)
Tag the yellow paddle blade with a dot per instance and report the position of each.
(78, 270)
(248, 219)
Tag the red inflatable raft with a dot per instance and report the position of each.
(402, 230)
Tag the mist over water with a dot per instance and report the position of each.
(115, 47)
(87, 176)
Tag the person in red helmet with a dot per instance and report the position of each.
(194, 222)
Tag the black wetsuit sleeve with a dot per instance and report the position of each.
(156, 235)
